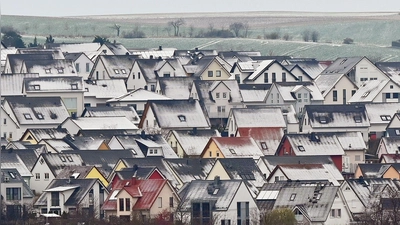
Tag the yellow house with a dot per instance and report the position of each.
(83, 172)
(231, 147)
(378, 170)
(213, 68)
(34, 136)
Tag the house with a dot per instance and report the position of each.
(97, 92)
(267, 72)
(312, 144)
(15, 62)
(389, 158)
(268, 117)
(107, 111)
(306, 172)
(83, 64)
(9, 126)
(83, 172)
(55, 52)
(318, 204)
(140, 173)
(75, 125)
(143, 199)
(11, 160)
(112, 67)
(155, 52)
(56, 145)
(136, 98)
(16, 194)
(69, 89)
(376, 91)
(393, 128)
(89, 49)
(254, 94)
(298, 94)
(34, 136)
(388, 145)
(98, 142)
(189, 169)
(335, 88)
(35, 112)
(84, 196)
(391, 69)
(204, 67)
(380, 115)
(378, 170)
(267, 139)
(305, 69)
(174, 87)
(244, 169)
(231, 147)
(49, 67)
(112, 49)
(190, 143)
(217, 201)
(335, 118)
(165, 115)
(358, 69)
(12, 84)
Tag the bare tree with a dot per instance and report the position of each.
(306, 35)
(236, 28)
(246, 27)
(176, 24)
(117, 28)
(191, 31)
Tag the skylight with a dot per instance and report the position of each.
(386, 117)
(60, 70)
(323, 119)
(12, 175)
(123, 71)
(47, 71)
(365, 94)
(182, 118)
(114, 195)
(40, 116)
(292, 197)
(397, 132)
(27, 116)
(74, 86)
(70, 158)
(36, 87)
(216, 191)
(232, 151)
(357, 119)
(116, 71)
(264, 145)
(63, 159)
(301, 148)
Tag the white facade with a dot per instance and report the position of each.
(40, 171)
(83, 66)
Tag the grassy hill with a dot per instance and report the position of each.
(372, 32)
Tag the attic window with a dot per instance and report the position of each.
(323, 119)
(74, 86)
(12, 175)
(397, 132)
(41, 161)
(60, 70)
(27, 116)
(40, 116)
(357, 119)
(264, 145)
(63, 159)
(123, 71)
(70, 159)
(386, 117)
(292, 197)
(365, 94)
(301, 148)
(232, 151)
(36, 87)
(215, 191)
(47, 71)
(182, 118)
(318, 197)
(116, 71)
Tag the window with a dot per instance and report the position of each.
(323, 120)
(123, 71)
(201, 213)
(41, 161)
(221, 109)
(71, 104)
(40, 116)
(128, 204)
(217, 95)
(13, 193)
(334, 94)
(70, 158)
(218, 73)
(357, 119)
(10, 135)
(27, 116)
(167, 74)
(171, 201)
(210, 153)
(116, 71)
(47, 71)
(292, 197)
(386, 117)
(225, 222)
(155, 151)
(353, 92)
(264, 145)
(265, 77)
(336, 213)
(243, 213)
(4, 121)
(74, 86)
(60, 70)
(159, 202)
(63, 159)
(273, 77)
(224, 95)
(283, 77)
(46, 176)
(318, 196)
(363, 79)
(395, 95)
(182, 118)
(138, 74)
(36, 87)
(357, 158)
(37, 176)
(391, 86)
(299, 97)
(121, 204)
(87, 67)
(301, 148)
(151, 152)
(210, 74)
(300, 78)
(55, 199)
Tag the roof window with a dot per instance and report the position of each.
(386, 117)
(264, 145)
(123, 71)
(47, 71)
(40, 116)
(323, 119)
(365, 94)
(27, 116)
(116, 71)
(70, 158)
(74, 86)
(63, 159)
(60, 70)
(357, 119)
(36, 87)
(182, 118)
(292, 197)
(397, 132)
(232, 151)
(301, 148)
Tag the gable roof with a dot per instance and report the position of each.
(232, 147)
(369, 91)
(369, 190)
(118, 66)
(381, 113)
(271, 161)
(258, 117)
(138, 95)
(54, 84)
(288, 90)
(47, 133)
(107, 111)
(193, 142)
(108, 88)
(243, 169)
(103, 123)
(267, 138)
(11, 160)
(254, 92)
(13, 84)
(190, 168)
(204, 89)
(176, 87)
(376, 170)
(342, 65)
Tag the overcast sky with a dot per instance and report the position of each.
(108, 7)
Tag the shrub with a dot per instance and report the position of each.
(273, 35)
(348, 41)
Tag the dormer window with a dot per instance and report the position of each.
(47, 71)
(40, 116)
(386, 117)
(301, 148)
(357, 119)
(60, 70)
(116, 71)
(27, 116)
(264, 145)
(36, 87)
(74, 86)
(123, 71)
(182, 118)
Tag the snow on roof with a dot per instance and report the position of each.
(194, 143)
(326, 82)
(261, 117)
(315, 144)
(104, 123)
(12, 84)
(62, 188)
(314, 171)
(368, 91)
(337, 116)
(267, 139)
(253, 95)
(56, 84)
(176, 87)
(351, 140)
(110, 88)
(262, 66)
(139, 95)
(378, 112)
(232, 147)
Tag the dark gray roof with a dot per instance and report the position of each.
(11, 160)
(148, 68)
(107, 111)
(190, 168)
(72, 56)
(369, 190)
(376, 170)
(140, 172)
(68, 171)
(16, 60)
(12, 176)
(273, 161)
(241, 168)
(342, 65)
(48, 133)
(28, 156)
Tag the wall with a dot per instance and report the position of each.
(213, 148)
(343, 83)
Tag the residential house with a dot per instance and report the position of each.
(154, 52)
(35, 112)
(69, 89)
(140, 173)
(393, 128)
(388, 145)
(136, 98)
(75, 125)
(98, 142)
(190, 143)
(358, 69)
(90, 49)
(9, 126)
(84, 196)
(335, 88)
(305, 69)
(56, 145)
(51, 67)
(112, 67)
(113, 49)
(208, 68)
(380, 115)
(217, 98)
(15, 62)
(107, 111)
(267, 72)
(165, 115)
(254, 94)
(10, 159)
(143, 199)
(389, 158)
(83, 172)
(376, 91)
(83, 65)
(378, 170)
(267, 139)
(189, 169)
(12, 84)
(34, 136)
(268, 117)
(219, 202)
(174, 87)
(231, 147)
(298, 94)
(335, 118)
(16, 194)
(97, 92)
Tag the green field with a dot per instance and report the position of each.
(372, 33)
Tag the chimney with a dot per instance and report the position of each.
(151, 56)
(143, 134)
(194, 131)
(196, 49)
(73, 115)
(160, 48)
